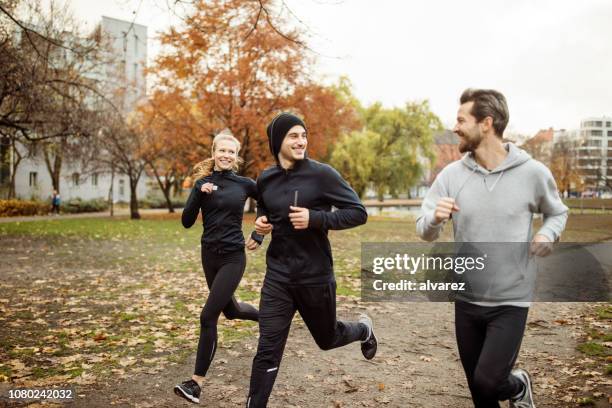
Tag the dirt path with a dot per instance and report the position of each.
(416, 366)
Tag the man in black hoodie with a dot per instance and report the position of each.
(295, 204)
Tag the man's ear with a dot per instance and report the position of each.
(487, 123)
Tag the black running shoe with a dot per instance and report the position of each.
(190, 390)
(369, 345)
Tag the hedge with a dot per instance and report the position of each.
(77, 205)
(13, 208)
(160, 202)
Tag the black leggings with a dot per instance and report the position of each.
(223, 273)
(278, 304)
(489, 339)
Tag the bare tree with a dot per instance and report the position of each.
(50, 71)
(117, 148)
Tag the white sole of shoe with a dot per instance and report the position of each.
(178, 389)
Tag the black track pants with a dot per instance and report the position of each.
(223, 273)
(277, 306)
(489, 339)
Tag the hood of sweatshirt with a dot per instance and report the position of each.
(515, 158)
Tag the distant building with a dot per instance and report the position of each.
(595, 154)
(446, 151)
(129, 44)
(564, 134)
(125, 77)
(540, 146)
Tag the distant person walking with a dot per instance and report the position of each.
(55, 202)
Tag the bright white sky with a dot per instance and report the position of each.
(551, 58)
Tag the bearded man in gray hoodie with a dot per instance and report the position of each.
(491, 195)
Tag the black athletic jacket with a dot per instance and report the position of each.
(222, 210)
(304, 256)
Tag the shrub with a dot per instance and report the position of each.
(77, 205)
(14, 208)
(160, 202)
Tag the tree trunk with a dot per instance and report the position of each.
(12, 193)
(11, 190)
(111, 201)
(168, 200)
(134, 214)
(164, 186)
(55, 167)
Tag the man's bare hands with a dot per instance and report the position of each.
(262, 226)
(299, 217)
(540, 246)
(444, 209)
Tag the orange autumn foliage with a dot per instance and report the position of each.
(227, 67)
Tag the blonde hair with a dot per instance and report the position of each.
(205, 167)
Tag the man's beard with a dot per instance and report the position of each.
(469, 144)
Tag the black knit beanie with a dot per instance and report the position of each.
(278, 128)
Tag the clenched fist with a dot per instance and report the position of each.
(262, 226)
(444, 209)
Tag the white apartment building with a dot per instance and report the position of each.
(32, 179)
(595, 153)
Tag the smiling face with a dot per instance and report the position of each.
(468, 129)
(294, 145)
(225, 155)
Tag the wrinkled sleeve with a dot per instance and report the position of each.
(425, 226)
(338, 193)
(192, 206)
(552, 208)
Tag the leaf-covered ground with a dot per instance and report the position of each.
(111, 306)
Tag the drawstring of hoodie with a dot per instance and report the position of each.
(494, 184)
(464, 183)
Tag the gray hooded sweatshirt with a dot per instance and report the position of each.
(496, 206)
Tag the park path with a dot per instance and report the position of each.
(416, 365)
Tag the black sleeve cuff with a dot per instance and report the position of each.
(256, 237)
(315, 218)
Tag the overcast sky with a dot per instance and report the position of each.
(552, 59)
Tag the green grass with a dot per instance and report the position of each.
(346, 291)
(180, 307)
(600, 335)
(604, 313)
(102, 228)
(246, 294)
(5, 371)
(137, 274)
(585, 401)
(42, 372)
(231, 335)
(593, 349)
